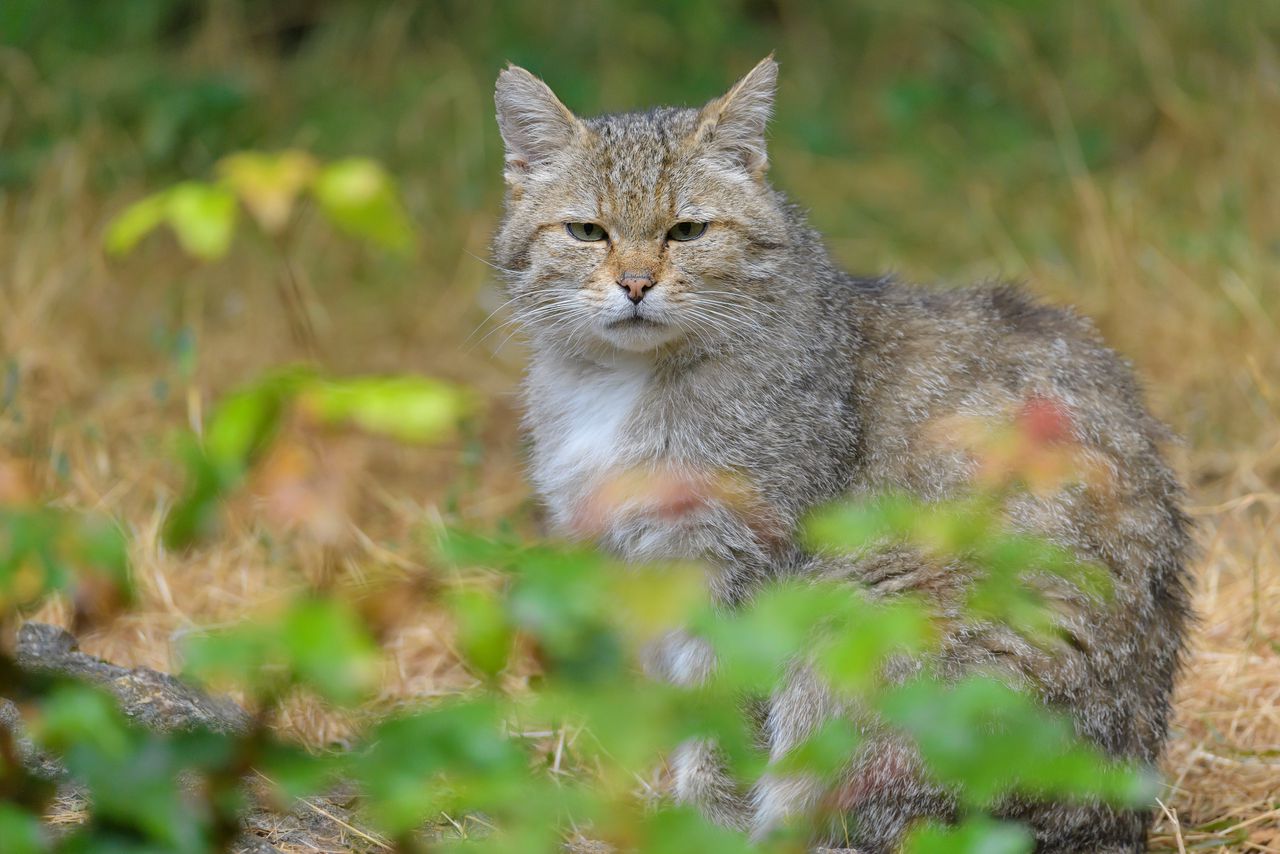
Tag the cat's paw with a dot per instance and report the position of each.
(699, 778)
(679, 658)
(778, 798)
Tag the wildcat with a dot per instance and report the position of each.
(685, 322)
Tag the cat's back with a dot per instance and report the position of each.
(928, 358)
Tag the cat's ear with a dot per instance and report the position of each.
(533, 122)
(735, 122)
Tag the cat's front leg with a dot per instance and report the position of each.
(699, 776)
(871, 805)
(796, 711)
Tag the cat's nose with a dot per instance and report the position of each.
(635, 284)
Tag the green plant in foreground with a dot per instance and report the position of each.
(466, 755)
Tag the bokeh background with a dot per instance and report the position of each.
(1123, 157)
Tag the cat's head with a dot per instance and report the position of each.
(639, 231)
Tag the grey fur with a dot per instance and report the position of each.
(756, 363)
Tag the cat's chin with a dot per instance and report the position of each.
(638, 335)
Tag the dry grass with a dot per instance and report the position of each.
(78, 339)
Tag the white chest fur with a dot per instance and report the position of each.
(582, 419)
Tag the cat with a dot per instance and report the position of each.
(687, 326)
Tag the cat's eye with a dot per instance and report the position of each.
(687, 231)
(589, 232)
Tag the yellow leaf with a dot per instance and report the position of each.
(268, 184)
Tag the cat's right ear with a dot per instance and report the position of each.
(533, 122)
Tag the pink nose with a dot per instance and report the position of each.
(635, 284)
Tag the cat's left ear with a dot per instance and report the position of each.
(735, 122)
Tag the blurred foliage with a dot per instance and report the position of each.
(355, 194)
(243, 426)
(483, 753)
(43, 550)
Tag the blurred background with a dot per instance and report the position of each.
(1121, 157)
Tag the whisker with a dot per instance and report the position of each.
(490, 316)
(489, 263)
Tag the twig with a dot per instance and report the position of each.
(333, 818)
(1172, 815)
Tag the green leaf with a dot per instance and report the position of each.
(318, 642)
(247, 655)
(659, 598)
(755, 643)
(131, 774)
(359, 197)
(243, 425)
(856, 526)
(21, 831)
(80, 717)
(192, 517)
(682, 830)
(987, 740)
(852, 655)
(329, 649)
(825, 753)
(203, 216)
(484, 634)
(559, 598)
(975, 836)
(419, 764)
(245, 422)
(411, 409)
(43, 550)
(127, 229)
(294, 772)
(462, 549)
(238, 432)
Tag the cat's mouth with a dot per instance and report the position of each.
(634, 320)
(637, 333)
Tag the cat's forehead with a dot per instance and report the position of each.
(662, 128)
(638, 165)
